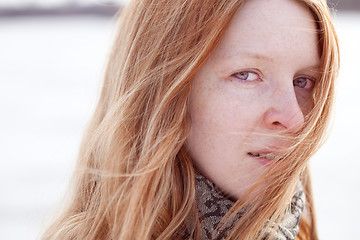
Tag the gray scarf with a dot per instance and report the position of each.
(212, 205)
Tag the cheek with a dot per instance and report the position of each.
(220, 124)
(305, 100)
(216, 114)
(224, 105)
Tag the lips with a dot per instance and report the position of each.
(268, 155)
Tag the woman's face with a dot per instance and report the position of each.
(256, 84)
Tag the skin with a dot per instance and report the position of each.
(256, 85)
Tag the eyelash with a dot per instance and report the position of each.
(247, 73)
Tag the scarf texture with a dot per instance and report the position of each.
(212, 205)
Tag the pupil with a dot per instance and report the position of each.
(244, 75)
(300, 82)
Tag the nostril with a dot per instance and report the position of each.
(289, 118)
(278, 125)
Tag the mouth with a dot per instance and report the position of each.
(265, 158)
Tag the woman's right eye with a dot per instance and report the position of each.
(246, 76)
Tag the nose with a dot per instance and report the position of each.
(284, 112)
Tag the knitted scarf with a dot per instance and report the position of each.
(212, 205)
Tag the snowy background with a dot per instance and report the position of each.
(50, 77)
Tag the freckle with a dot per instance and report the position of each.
(209, 88)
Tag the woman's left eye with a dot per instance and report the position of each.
(303, 82)
(246, 76)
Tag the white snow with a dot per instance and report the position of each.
(50, 77)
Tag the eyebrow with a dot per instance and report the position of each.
(259, 56)
(251, 54)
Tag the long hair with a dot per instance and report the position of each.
(134, 178)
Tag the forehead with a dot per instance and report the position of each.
(279, 29)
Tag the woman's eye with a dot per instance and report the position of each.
(246, 76)
(303, 82)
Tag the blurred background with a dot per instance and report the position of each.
(52, 59)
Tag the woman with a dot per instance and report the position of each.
(209, 113)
